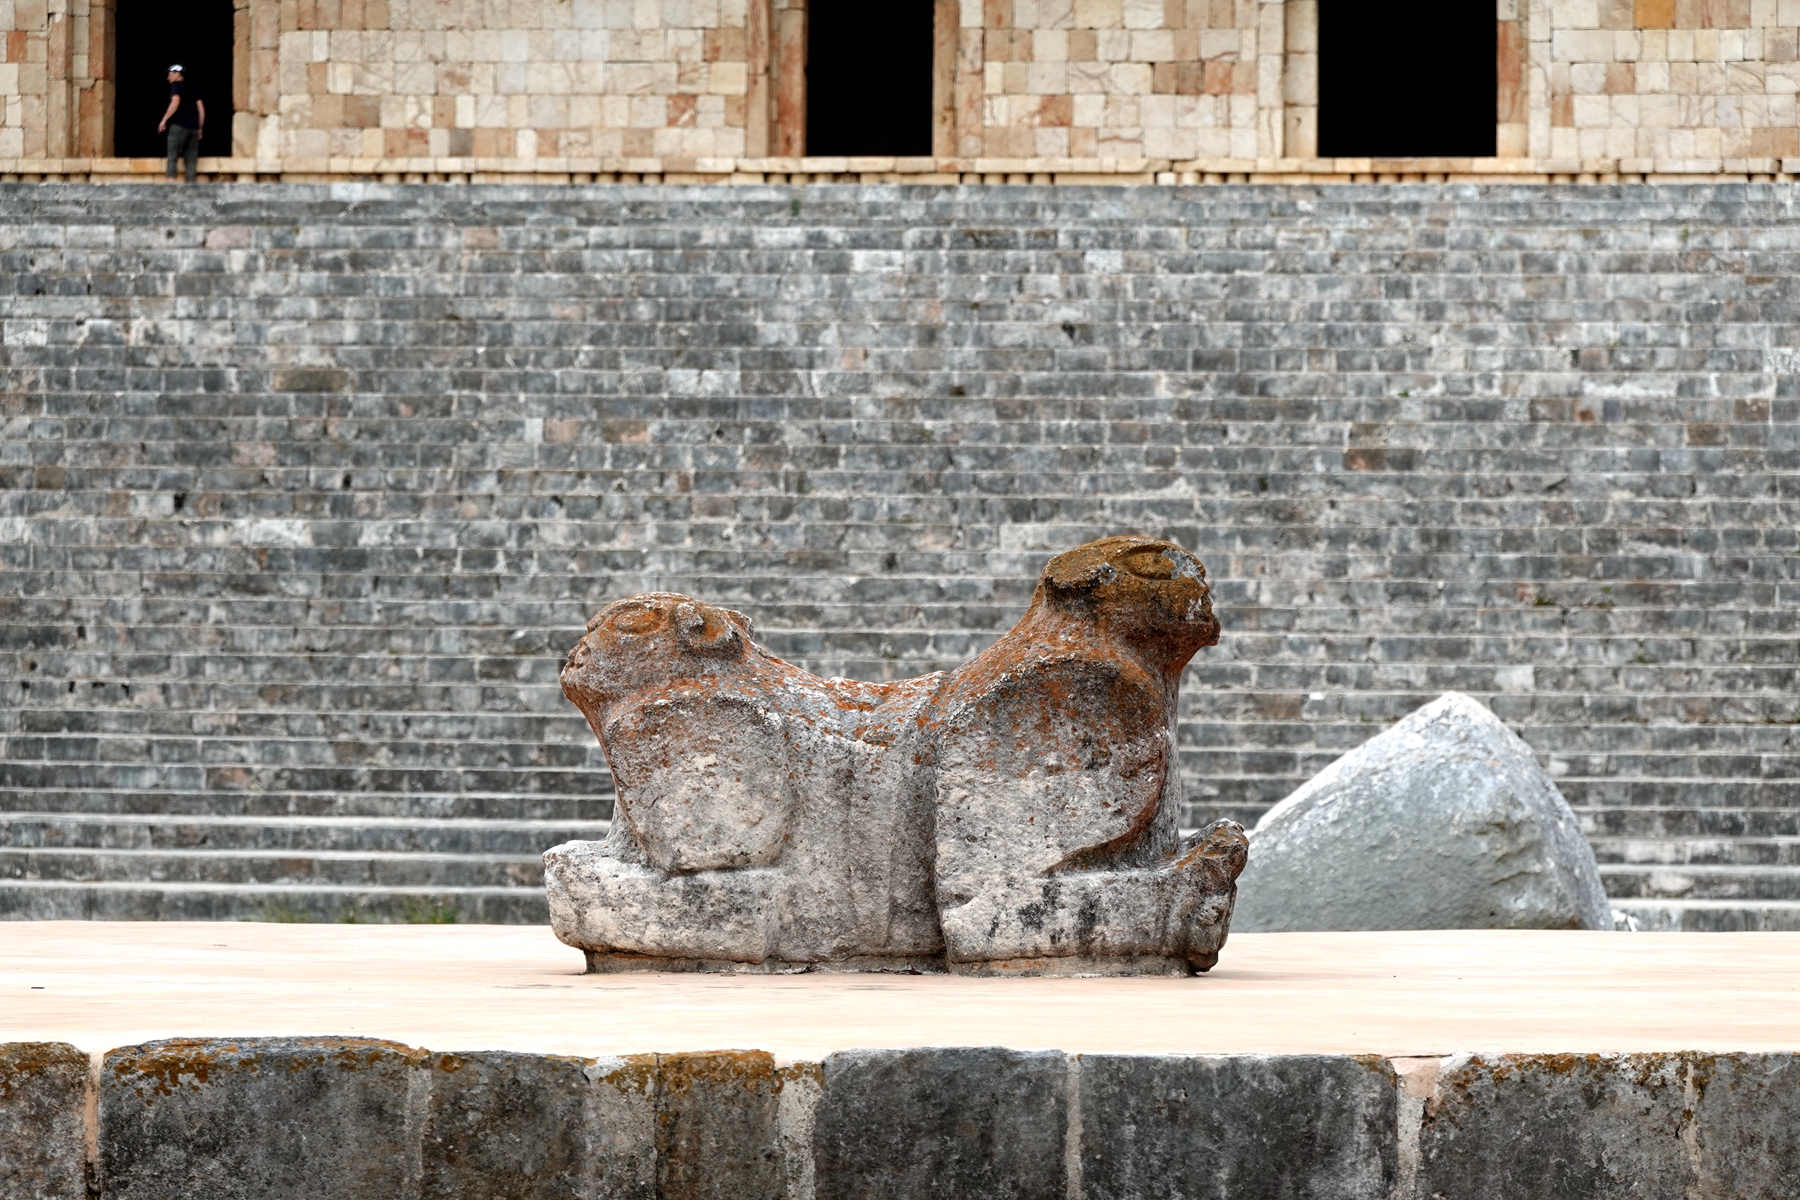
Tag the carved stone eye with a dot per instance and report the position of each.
(1149, 563)
(1162, 562)
(638, 620)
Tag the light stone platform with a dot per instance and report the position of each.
(453, 987)
(399, 1062)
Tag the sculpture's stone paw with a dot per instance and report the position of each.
(1014, 816)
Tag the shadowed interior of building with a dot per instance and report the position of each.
(868, 78)
(1409, 79)
(150, 37)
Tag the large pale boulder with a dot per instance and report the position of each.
(1445, 821)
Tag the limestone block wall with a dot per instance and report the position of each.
(362, 1119)
(1044, 90)
(1674, 80)
(305, 492)
(544, 79)
(1169, 79)
(54, 78)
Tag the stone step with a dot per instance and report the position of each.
(335, 868)
(43, 900)
(495, 806)
(1715, 852)
(1711, 916)
(1700, 882)
(252, 777)
(1685, 822)
(394, 835)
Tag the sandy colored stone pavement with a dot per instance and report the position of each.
(100, 985)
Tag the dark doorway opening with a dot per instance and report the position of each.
(868, 77)
(1407, 79)
(198, 35)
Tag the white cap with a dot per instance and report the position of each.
(175, 69)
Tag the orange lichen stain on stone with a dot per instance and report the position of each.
(753, 1070)
(355, 1054)
(20, 1061)
(163, 1068)
(811, 1073)
(635, 1073)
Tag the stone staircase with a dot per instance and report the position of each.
(305, 491)
(1670, 869)
(1700, 869)
(116, 865)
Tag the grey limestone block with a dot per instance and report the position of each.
(299, 1118)
(1602, 1127)
(43, 1135)
(509, 1126)
(717, 1128)
(1563, 1127)
(1234, 1127)
(1747, 1123)
(942, 1124)
(1444, 821)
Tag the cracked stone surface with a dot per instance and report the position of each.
(1014, 816)
(1445, 821)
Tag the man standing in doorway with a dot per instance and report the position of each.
(184, 122)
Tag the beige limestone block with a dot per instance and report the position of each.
(1121, 142)
(1575, 14)
(1220, 43)
(547, 112)
(1142, 14)
(1171, 143)
(1132, 79)
(1582, 45)
(727, 79)
(1153, 46)
(1047, 79)
(1099, 14)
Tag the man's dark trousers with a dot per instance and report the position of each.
(184, 142)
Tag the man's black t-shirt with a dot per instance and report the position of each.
(185, 113)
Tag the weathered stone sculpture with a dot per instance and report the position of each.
(1016, 815)
(1445, 821)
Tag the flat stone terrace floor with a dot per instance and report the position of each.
(100, 985)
